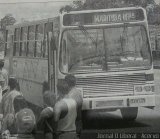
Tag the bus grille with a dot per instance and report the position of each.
(101, 86)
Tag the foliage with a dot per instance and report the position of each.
(151, 7)
(104, 4)
(7, 20)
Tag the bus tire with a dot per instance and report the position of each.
(85, 118)
(129, 114)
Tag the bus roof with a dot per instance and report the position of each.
(103, 10)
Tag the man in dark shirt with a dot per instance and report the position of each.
(8, 106)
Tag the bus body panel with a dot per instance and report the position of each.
(31, 73)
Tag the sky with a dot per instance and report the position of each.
(157, 1)
(33, 9)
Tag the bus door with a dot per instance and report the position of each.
(51, 61)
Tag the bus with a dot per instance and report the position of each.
(108, 50)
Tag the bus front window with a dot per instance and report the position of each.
(106, 50)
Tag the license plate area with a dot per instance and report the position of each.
(137, 101)
(107, 104)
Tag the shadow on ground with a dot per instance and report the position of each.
(109, 121)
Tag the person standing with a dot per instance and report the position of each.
(8, 107)
(4, 73)
(25, 121)
(76, 94)
(2, 82)
(49, 100)
(64, 113)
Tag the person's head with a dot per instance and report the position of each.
(62, 88)
(25, 121)
(49, 99)
(6, 134)
(71, 80)
(1, 63)
(19, 103)
(12, 83)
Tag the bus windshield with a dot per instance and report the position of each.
(105, 49)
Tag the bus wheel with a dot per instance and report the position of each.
(129, 113)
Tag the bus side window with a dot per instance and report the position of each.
(23, 41)
(6, 43)
(20, 47)
(48, 28)
(16, 42)
(31, 41)
(9, 42)
(39, 39)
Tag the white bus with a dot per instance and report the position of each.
(108, 51)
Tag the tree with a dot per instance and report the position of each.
(66, 8)
(105, 4)
(154, 15)
(7, 20)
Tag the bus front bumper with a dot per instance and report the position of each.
(118, 102)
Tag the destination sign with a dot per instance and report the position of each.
(103, 17)
(114, 17)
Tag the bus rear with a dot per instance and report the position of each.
(109, 53)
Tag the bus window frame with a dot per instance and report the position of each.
(16, 41)
(29, 40)
(23, 41)
(6, 43)
(46, 31)
(37, 40)
(105, 27)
